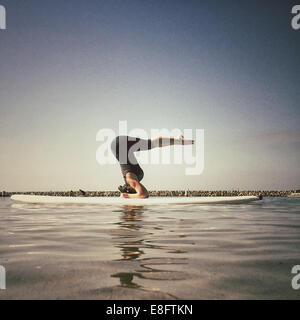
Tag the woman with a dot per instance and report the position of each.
(123, 147)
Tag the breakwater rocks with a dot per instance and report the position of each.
(175, 193)
(296, 194)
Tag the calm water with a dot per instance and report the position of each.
(159, 252)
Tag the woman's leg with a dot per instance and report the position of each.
(164, 142)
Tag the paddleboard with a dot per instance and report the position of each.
(122, 201)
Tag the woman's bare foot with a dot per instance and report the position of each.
(185, 141)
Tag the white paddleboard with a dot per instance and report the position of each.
(122, 201)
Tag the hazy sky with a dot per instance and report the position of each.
(69, 68)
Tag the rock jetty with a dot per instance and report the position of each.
(296, 194)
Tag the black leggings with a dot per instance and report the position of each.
(123, 148)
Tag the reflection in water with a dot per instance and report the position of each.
(126, 279)
(129, 227)
(111, 252)
(132, 233)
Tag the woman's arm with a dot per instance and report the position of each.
(141, 191)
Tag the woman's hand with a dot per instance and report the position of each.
(124, 195)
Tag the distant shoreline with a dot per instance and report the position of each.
(167, 193)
